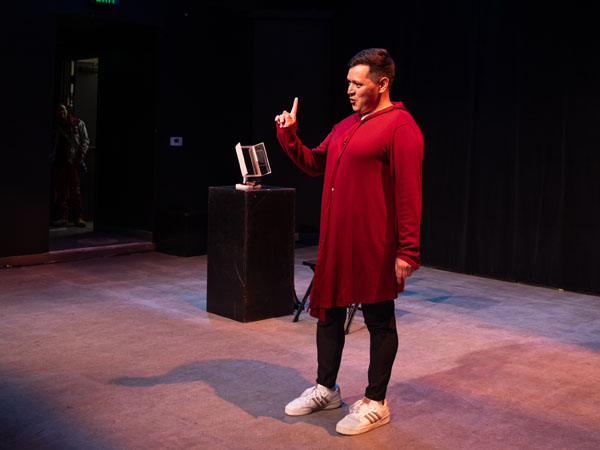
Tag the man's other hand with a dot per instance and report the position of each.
(287, 119)
(403, 270)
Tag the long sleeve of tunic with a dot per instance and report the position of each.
(370, 208)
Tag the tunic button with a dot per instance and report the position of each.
(331, 189)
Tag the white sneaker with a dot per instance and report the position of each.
(364, 415)
(314, 399)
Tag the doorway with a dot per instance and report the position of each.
(78, 92)
(104, 73)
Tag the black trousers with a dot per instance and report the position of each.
(381, 323)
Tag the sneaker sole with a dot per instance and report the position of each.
(306, 411)
(355, 431)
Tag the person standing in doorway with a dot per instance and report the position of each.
(71, 143)
(369, 232)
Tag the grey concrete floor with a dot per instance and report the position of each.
(120, 353)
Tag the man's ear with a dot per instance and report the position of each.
(383, 84)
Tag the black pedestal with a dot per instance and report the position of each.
(250, 252)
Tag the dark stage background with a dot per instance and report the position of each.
(506, 94)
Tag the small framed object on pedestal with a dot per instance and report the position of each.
(254, 164)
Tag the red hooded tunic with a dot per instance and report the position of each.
(370, 208)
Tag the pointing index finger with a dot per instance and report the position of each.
(294, 107)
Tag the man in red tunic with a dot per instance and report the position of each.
(369, 231)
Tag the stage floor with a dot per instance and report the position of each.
(120, 353)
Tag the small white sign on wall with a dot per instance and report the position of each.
(176, 141)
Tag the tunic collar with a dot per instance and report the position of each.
(395, 105)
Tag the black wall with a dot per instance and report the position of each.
(27, 49)
(504, 92)
(293, 56)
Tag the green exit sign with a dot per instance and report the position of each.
(105, 2)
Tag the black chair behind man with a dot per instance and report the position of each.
(312, 263)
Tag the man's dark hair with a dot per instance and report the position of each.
(379, 61)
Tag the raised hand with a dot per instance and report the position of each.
(287, 119)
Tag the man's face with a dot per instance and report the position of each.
(62, 113)
(363, 92)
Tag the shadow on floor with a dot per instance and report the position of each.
(263, 390)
